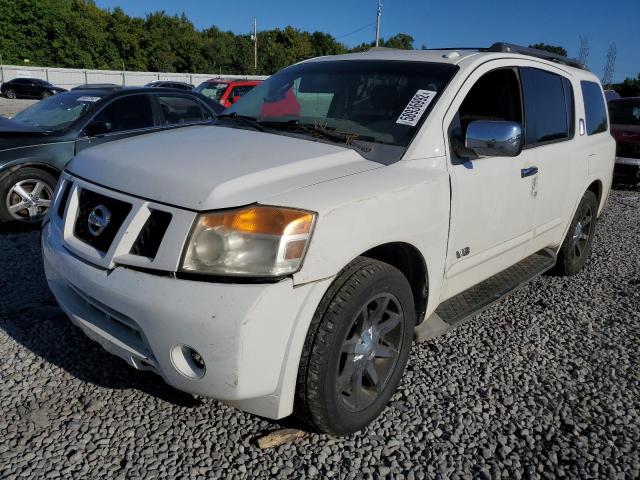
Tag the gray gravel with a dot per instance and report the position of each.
(9, 108)
(545, 384)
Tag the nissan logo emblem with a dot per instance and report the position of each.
(98, 220)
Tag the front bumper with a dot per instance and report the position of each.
(249, 335)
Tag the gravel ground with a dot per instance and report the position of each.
(11, 107)
(545, 384)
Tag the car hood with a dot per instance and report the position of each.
(210, 167)
(11, 126)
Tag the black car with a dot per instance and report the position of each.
(37, 143)
(29, 88)
(89, 86)
(169, 84)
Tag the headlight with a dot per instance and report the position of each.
(255, 241)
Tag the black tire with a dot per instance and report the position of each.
(45, 94)
(30, 176)
(575, 248)
(321, 403)
(10, 94)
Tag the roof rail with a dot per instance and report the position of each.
(534, 52)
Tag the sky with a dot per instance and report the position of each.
(460, 23)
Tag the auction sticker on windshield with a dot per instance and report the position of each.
(87, 99)
(416, 107)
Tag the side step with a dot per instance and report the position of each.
(474, 300)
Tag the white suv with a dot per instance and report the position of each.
(286, 258)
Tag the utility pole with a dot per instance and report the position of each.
(610, 66)
(584, 50)
(254, 37)
(378, 15)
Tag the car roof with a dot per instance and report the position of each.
(232, 80)
(625, 99)
(122, 91)
(457, 56)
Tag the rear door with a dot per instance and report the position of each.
(129, 115)
(550, 120)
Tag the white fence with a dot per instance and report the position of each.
(72, 77)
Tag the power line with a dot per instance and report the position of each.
(356, 31)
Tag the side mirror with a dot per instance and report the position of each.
(490, 138)
(98, 128)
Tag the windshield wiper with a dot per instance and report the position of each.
(246, 119)
(320, 131)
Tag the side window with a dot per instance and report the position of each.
(240, 91)
(132, 112)
(594, 107)
(177, 109)
(545, 106)
(495, 96)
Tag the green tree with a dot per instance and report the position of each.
(550, 48)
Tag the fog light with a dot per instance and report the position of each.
(188, 361)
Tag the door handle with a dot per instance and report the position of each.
(527, 172)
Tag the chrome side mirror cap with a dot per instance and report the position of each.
(491, 138)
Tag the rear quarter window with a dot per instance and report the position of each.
(594, 107)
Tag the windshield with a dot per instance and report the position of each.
(213, 90)
(625, 112)
(379, 101)
(57, 112)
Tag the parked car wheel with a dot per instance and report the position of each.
(26, 195)
(45, 95)
(577, 244)
(356, 348)
(10, 93)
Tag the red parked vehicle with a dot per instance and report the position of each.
(625, 128)
(226, 91)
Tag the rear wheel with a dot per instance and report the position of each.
(26, 195)
(577, 244)
(10, 93)
(357, 348)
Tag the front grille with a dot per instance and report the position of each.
(118, 211)
(151, 235)
(628, 150)
(64, 198)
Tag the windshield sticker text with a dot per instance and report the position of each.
(416, 107)
(87, 99)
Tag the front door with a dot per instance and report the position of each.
(492, 197)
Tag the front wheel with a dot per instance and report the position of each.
(356, 349)
(44, 95)
(26, 195)
(576, 246)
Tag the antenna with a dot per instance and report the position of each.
(610, 65)
(584, 51)
(378, 15)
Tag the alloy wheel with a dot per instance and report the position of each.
(370, 352)
(28, 200)
(581, 234)
(10, 94)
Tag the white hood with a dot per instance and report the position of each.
(210, 167)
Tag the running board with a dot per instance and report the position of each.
(474, 300)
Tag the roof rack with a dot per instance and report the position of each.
(533, 52)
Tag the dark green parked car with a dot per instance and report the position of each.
(37, 143)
